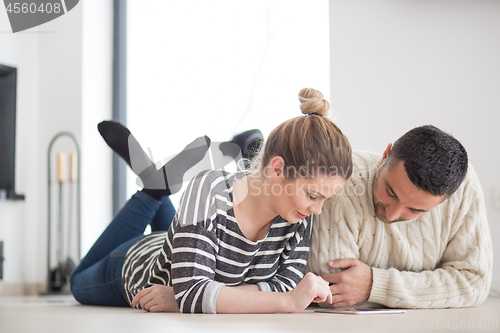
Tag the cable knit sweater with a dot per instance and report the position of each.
(441, 259)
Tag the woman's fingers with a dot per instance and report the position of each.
(324, 293)
(324, 282)
(140, 297)
(329, 297)
(148, 301)
(156, 308)
(157, 298)
(326, 286)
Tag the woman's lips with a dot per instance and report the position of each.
(301, 216)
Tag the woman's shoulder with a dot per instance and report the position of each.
(209, 192)
(214, 174)
(213, 181)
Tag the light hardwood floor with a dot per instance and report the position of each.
(62, 314)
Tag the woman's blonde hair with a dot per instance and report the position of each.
(311, 145)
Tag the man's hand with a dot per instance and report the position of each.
(157, 298)
(351, 286)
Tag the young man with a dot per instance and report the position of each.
(438, 255)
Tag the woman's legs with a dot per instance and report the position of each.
(101, 283)
(97, 279)
(164, 216)
(157, 183)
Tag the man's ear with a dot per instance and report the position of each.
(386, 153)
(276, 167)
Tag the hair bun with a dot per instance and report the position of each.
(313, 101)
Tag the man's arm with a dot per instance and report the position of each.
(351, 286)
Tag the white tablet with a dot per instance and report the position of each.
(359, 311)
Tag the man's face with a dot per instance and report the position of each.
(396, 199)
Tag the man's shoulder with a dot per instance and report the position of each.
(467, 200)
(364, 160)
(364, 165)
(469, 190)
(355, 198)
(471, 176)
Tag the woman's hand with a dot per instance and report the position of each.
(157, 298)
(311, 288)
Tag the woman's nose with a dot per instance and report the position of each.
(317, 208)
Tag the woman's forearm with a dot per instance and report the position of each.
(311, 288)
(248, 286)
(248, 299)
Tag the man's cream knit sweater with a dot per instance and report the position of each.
(441, 259)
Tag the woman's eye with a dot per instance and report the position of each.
(311, 197)
(390, 194)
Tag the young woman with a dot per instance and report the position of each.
(238, 243)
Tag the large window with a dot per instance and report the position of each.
(219, 67)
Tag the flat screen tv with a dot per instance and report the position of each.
(8, 85)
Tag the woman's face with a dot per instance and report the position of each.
(298, 198)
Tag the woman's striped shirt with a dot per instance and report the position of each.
(205, 250)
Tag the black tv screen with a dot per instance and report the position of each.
(8, 83)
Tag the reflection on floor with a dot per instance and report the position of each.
(62, 314)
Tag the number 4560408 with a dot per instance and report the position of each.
(25, 7)
(463, 324)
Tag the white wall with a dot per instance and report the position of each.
(59, 64)
(398, 64)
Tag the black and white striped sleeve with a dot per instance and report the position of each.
(195, 245)
(293, 260)
(193, 269)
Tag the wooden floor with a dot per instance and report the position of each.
(62, 314)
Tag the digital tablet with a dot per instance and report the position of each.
(359, 311)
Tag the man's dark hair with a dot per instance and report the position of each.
(435, 161)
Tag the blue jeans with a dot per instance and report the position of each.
(98, 278)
